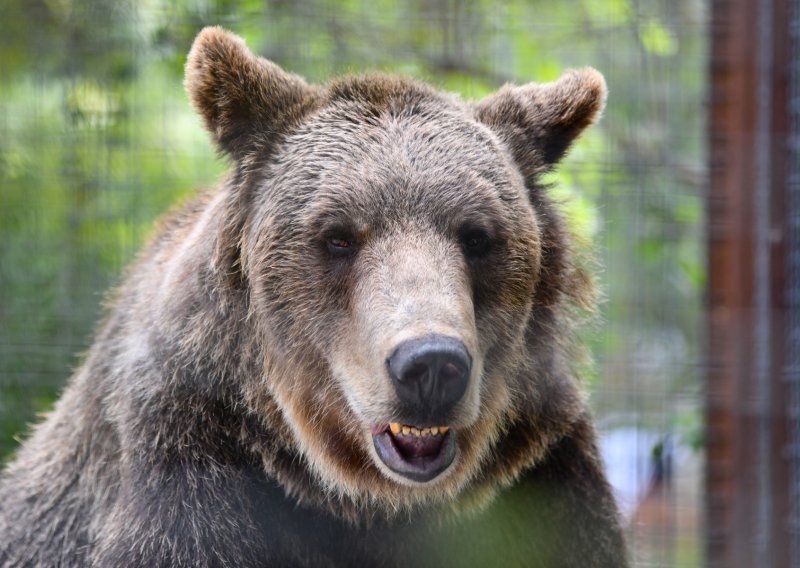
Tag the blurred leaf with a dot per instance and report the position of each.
(657, 39)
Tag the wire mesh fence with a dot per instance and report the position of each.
(97, 139)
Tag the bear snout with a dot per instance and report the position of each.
(430, 375)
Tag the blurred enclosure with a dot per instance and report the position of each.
(97, 139)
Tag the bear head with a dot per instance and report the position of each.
(410, 281)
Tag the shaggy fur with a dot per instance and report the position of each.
(222, 416)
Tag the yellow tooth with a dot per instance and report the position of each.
(443, 429)
(415, 431)
(406, 430)
(426, 431)
(395, 428)
(435, 431)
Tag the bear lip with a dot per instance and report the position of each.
(418, 458)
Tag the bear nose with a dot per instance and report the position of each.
(430, 375)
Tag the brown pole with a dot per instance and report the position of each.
(748, 478)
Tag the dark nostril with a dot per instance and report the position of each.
(430, 374)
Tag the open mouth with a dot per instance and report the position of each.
(419, 454)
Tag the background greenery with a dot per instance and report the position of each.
(97, 139)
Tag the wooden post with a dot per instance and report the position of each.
(748, 475)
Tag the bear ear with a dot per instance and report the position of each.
(244, 100)
(539, 122)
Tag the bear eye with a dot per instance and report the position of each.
(476, 243)
(340, 244)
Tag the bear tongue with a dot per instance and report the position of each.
(412, 446)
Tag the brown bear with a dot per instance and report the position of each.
(357, 351)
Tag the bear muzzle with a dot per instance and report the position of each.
(430, 375)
